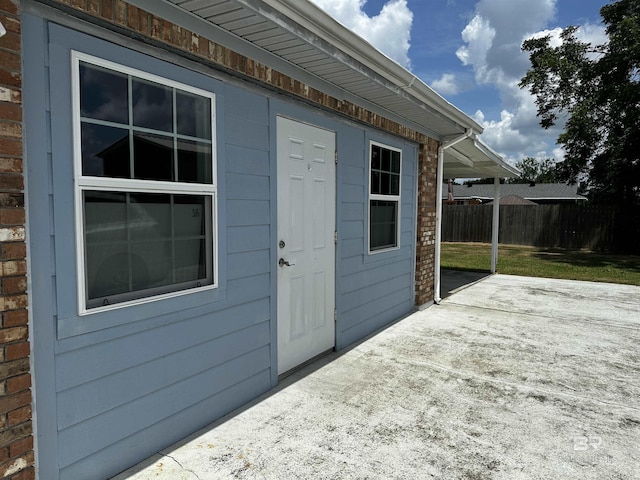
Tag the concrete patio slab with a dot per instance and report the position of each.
(511, 378)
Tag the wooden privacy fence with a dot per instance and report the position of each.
(594, 227)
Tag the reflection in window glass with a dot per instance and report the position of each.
(193, 115)
(103, 94)
(153, 157)
(138, 244)
(194, 162)
(150, 264)
(375, 157)
(105, 151)
(189, 260)
(385, 163)
(152, 105)
(395, 162)
(375, 181)
(394, 189)
(105, 216)
(189, 213)
(383, 224)
(384, 198)
(149, 216)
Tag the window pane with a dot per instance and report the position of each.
(152, 105)
(385, 163)
(395, 162)
(385, 184)
(105, 151)
(153, 156)
(150, 264)
(149, 216)
(105, 216)
(375, 182)
(190, 262)
(194, 115)
(395, 185)
(194, 162)
(375, 157)
(383, 225)
(103, 94)
(142, 244)
(108, 272)
(107, 260)
(190, 213)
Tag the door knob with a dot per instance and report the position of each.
(282, 262)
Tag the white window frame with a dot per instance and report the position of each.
(84, 183)
(390, 198)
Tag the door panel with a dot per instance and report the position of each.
(306, 225)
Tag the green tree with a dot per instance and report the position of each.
(595, 89)
(538, 171)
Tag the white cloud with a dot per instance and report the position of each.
(554, 35)
(558, 154)
(492, 47)
(446, 85)
(478, 36)
(593, 34)
(389, 31)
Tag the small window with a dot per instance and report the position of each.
(145, 185)
(384, 197)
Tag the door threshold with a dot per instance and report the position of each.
(304, 364)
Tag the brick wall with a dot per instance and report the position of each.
(16, 441)
(425, 243)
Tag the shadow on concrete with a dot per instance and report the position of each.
(452, 281)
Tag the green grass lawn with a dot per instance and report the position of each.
(544, 262)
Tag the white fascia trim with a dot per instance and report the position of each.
(293, 14)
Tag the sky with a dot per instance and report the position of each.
(469, 52)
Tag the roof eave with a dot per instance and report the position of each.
(304, 18)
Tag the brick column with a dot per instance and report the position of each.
(425, 243)
(16, 440)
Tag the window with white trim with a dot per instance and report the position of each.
(384, 197)
(145, 185)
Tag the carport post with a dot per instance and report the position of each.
(495, 227)
(439, 179)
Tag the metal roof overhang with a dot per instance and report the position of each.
(299, 39)
(471, 158)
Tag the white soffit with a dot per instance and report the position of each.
(471, 158)
(314, 46)
(301, 40)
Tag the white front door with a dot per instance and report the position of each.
(306, 249)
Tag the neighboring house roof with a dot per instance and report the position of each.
(299, 39)
(514, 200)
(537, 192)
